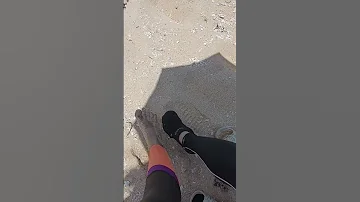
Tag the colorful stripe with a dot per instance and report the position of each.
(159, 161)
(162, 168)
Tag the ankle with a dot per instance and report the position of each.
(181, 133)
(187, 139)
(182, 137)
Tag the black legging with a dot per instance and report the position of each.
(218, 155)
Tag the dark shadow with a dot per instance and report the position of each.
(207, 87)
(204, 96)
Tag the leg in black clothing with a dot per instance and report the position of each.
(218, 155)
(161, 182)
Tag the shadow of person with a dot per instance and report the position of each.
(204, 96)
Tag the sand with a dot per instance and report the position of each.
(179, 55)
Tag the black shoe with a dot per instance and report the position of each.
(173, 126)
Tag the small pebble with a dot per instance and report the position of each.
(126, 183)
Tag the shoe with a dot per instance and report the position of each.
(173, 126)
(199, 196)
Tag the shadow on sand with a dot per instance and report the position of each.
(204, 96)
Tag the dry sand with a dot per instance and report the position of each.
(179, 55)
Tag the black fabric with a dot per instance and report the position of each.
(198, 198)
(161, 187)
(218, 155)
(173, 125)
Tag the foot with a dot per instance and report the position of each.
(146, 120)
(173, 126)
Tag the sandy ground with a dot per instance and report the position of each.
(179, 55)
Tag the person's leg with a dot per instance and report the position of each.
(161, 183)
(218, 155)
